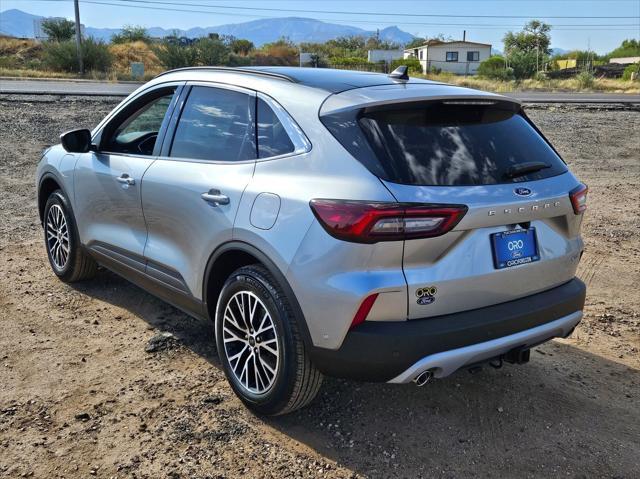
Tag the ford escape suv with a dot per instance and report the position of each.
(351, 224)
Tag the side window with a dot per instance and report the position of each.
(273, 139)
(216, 125)
(452, 56)
(473, 56)
(137, 132)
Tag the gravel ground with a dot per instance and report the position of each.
(81, 397)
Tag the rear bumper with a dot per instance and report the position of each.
(398, 351)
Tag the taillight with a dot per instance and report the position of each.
(579, 198)
(370, 222)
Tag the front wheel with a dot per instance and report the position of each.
(260, 346)
(67, 258)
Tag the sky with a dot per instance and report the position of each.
(568, 33)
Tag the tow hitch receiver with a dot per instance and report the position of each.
(517, 356)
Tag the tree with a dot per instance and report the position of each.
(526, 51)
(347, 46)
(375, 43)
(628, 48)
(240, 46)
(131, 33)
(415, 43)
(533, 37)
(59, 30)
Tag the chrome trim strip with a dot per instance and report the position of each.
(445, 363)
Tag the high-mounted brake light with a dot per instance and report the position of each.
(370, 222)
(579, 198)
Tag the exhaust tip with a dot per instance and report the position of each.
(423, 378)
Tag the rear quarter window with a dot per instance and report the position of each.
(447, 144)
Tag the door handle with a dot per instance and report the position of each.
(215, 198)
(125, 179)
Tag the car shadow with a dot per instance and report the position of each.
(195, 334)
(567, 413)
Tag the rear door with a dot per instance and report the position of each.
(191, 193)
(520, 234)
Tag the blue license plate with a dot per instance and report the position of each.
(515, 247)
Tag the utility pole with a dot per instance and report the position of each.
(78, 36)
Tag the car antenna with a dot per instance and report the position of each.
(401, 73)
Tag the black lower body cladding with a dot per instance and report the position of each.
(381, 350)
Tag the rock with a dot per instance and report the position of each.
(215, 400)
(83, 416)
(161, 342)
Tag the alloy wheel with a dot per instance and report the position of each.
(57, 233)
(250, 342)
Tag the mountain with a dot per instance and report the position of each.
(17, 23)
(20, 24)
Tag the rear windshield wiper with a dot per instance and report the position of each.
(525, 168)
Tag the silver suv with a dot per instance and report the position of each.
(352, 224)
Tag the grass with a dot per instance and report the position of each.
(605, 85)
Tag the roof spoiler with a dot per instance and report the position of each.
(401, 73)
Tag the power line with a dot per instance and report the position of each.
(562, 27)
(386, 14)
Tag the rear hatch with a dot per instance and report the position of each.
(520, 234)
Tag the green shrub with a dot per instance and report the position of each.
(8, 62)
(635, 68)
(238, 61)
(62, 56)
(585, 79)
(495, 69)
(523, 64)
(413, 63)
(211, 51)
(130, 34)
(540, 76)
(174, 55)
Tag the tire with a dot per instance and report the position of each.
(294, 381)
(60, 231)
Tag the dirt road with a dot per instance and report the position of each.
(80, 397)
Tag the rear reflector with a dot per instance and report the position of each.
(370, 222)
(579, 198)
(363, 310)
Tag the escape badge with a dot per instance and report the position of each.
(426, 295)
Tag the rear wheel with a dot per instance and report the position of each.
(261, 349)
(67, 258)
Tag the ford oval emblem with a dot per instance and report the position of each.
(521, 191)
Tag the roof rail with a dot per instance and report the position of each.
(250, 71)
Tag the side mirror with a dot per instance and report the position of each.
(76, 141)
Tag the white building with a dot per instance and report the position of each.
(625, 60)
(459, 57)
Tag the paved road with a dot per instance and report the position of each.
(95, 88)
(66, 87)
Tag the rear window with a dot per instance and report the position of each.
(448, 144)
